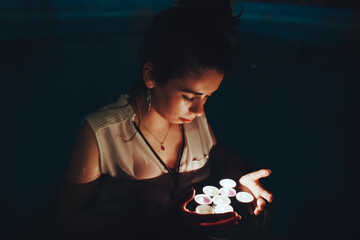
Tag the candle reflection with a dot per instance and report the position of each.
(223, 208)
(219, 199)
(228, 183)
(228, 192)
(211, 191)
(203, 199)
(204, 209)
(244, 197)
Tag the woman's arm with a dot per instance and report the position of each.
(79, 190)
(72, 216)
(84, 166)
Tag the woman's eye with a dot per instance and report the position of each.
(188, 99)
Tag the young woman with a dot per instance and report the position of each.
(135, 161)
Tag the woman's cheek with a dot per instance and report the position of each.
(184, 106)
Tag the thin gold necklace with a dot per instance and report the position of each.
(162, 147)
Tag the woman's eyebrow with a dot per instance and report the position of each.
(193, 92)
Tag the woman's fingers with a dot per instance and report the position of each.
(260, 206)
(254, 176)
(251, 181)
(265, 194)
(260, 192)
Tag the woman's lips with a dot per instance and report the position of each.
(185, 120)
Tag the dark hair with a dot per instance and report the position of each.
(188, 38)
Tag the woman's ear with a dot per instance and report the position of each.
(148, 75)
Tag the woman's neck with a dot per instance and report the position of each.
(150, 119)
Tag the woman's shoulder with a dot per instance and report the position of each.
(111, 114)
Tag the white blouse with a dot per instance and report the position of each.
(132, 168)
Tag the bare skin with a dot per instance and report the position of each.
(175, 103)
(171, 105)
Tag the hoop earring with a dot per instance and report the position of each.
(148, 99)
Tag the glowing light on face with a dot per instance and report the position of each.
(180, 100)
(244, 197)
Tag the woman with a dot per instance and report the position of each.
(135, 161)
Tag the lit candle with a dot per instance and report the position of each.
(228, 183)
(204, 209)
(223, 208)
(220, 199)
(203, 199)
(211, 191)
(244, 197)
(228, 192)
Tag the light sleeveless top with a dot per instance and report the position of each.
(135, 179)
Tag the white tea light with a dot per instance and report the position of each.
(211, 191)
(203, 199)
(204, 209)
(244, 197)
(228, 183)
(223, 208)
(220, 199)
(228, 192)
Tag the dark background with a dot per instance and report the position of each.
(291, 104)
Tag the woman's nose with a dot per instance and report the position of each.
(198, 108)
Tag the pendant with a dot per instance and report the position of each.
(162, 147)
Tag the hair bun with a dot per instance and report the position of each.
(202, 3)
(215, 8)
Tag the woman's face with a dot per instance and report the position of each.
(181, 100)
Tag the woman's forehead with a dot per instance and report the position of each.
(205, 83)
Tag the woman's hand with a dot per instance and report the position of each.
(252, 183)
(206, 222)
